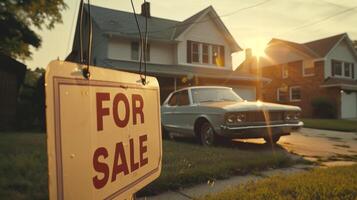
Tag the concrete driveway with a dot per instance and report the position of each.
(327, 147)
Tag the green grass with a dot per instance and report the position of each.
(331, 124)
(331, 183)
(23, 165)
(189, 164)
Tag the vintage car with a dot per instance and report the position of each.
(211, 112)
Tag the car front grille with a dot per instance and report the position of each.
(264, 116)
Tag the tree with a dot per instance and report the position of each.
(18, 18)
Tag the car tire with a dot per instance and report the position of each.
(207, 135)
(273, 140)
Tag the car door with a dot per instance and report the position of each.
(168, 112)
(183, 114)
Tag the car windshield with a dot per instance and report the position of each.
(201, 95)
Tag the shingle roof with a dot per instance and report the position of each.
(180, 70)
(339, 81)
(316, 48)
(123, 23)
(323, 46)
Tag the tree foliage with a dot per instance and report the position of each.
(19, 18)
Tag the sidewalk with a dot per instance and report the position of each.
(220, 185)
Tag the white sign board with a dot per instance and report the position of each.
(103, 134)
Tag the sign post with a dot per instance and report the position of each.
(103, 134)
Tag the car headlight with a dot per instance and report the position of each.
(288, 116)
(234, 118)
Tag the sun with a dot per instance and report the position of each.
(258, 47)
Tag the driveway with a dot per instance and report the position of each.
(327, 147)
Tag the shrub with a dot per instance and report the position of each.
(323, 108)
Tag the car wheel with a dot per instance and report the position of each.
(273, 140)
(207, 134)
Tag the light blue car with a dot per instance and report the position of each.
(211, 112)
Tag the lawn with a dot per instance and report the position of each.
(330, 183)
(23, 165)
(331, 124)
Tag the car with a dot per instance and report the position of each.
(213, 112)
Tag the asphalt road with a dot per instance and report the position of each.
(327, 147)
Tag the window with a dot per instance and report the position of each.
(308, 69)
(205, 54)
(183, 98)
(135, 50)
(195, 52)
(282, 95)
(173, 100)
(336, 68)
(347, 69)
(285, 71)
(215, 54)
(295, 93)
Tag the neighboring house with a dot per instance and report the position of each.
(302, 73)
(196, 51)
(12, 75)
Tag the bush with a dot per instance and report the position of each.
(323, 108)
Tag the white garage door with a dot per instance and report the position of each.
(247, 93)
(349, 105)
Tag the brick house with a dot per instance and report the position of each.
(196, 51)
(301, 73)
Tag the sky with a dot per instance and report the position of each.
(251, 22)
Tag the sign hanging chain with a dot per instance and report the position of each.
(85, 70)
(142, 44)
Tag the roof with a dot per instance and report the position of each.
(339, 81)
(122, 23)
(323, 46)
(180, 70)
(317, 48)
(12, 66)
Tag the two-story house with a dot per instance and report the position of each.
(196, 51)
(301, 73)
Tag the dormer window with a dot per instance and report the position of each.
(203, 53)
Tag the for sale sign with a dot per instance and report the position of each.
(103, 134)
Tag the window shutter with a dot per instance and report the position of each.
(332, 68)
(189, 59)
(353, 70)
(222, 57)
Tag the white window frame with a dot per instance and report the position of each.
(278, 94)
(199, 52)
(283, 75)
(291, 94)
(350, 69)
(304, 64)
(342, 69)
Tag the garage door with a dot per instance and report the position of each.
(349, 105)
(247, 93)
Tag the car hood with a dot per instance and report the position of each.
(249, 106)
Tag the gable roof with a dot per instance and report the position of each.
(317, 48)
(323, 46)
(122, 23)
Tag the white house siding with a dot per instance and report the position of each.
(160, 53)
(349, 105)
(246, 92)
(343, 53)
(206, 32)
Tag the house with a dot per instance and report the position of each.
(12, 75)
(303, 73)
(196, 51)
